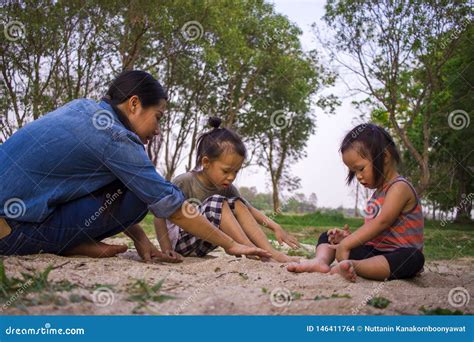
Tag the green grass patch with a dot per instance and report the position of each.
(439, 311)
(142, 292)
(379, 302)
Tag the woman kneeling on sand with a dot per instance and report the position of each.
(81, 174)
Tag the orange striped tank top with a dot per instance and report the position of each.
(406, 231)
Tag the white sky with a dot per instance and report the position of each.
(322, 172)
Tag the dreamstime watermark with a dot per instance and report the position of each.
(19, 292)
(375, 292)
(266, 222)
(458, 119)
(191, 298)
(14, 208)
(466, 200)
(107, 203)
(270, 39)
(192, 30)
(359, 130)
(280, 119)
(14, 30)
(372, 209)
(456, 32)
(103, 296)
(190, 208)
(458, 297)
(102, 119)
(280, 297)
(46, 330)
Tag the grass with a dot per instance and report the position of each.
(379, 302)
(142, 292)
(13, 290)
(439, 311)
(441, 243)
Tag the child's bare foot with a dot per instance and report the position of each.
(96, 250)
(345, 269)
(314, 265)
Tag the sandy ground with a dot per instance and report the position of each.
(224, 285)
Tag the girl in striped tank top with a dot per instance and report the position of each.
(390, 243)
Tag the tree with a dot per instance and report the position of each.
(395, 50)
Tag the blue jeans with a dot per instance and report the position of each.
(94, 217)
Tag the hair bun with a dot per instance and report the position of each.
(214, 122)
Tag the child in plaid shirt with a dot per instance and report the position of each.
(220, 154)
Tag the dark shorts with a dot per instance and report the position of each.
(403, 262)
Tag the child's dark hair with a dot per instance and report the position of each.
(371, 141)
(218, 140)
(130, 83)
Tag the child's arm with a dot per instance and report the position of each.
(395, 200)
(164, 239)
(162, 234)
(280, 234)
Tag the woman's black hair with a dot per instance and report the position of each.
(371, 141)
(130, 83)
(124, 86)
(218, 140)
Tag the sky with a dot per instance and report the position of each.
(322, 171)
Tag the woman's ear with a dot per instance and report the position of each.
(387, 157)
(133, 104)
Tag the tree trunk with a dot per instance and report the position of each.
(276, 197)
(356, 207)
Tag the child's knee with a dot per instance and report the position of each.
(323, 238)
(418, 260)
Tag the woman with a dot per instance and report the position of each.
(80, 174)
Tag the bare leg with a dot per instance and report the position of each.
(324, 257)
(95, 249)
(231, 226)
(255, 233)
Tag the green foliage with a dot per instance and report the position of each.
(439, 311)
(378, 302)
(334, 295)
(142, 292)
(414, 60)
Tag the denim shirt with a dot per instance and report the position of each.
(71, 152)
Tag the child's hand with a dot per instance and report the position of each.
(336, 235)
(282, 236)
(342, 252)
(148, 252)
(175, 255)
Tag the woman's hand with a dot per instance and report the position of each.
(238, 250)
(283, 236)
(336, 235)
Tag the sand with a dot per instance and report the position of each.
(220, 284)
